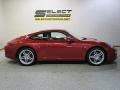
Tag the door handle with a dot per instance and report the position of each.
(68, 46)
(49, 45)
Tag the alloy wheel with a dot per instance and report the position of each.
(96, 56)
(26, 57)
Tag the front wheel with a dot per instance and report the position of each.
(26, 56)
(96, 56)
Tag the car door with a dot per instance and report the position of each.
(59, 48)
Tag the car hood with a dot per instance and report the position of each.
(89, 39)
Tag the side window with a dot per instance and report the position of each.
(58, 36)
(41, 36)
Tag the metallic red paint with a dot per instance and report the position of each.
(47, 50)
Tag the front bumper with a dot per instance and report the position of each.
(112, 54)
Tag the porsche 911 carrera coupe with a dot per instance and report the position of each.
(58, 45)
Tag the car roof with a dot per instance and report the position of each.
(53, 30)
(48, 30)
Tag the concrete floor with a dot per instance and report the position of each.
(58, 76)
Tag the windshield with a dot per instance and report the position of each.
(76, 35)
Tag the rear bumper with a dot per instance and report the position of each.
(10, 51)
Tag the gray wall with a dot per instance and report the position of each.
(2, 31)
(90, 18)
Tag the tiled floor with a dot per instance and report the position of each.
(58, 76)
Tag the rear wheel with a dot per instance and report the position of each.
(26, 56)
(96, 56)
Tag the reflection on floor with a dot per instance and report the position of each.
(52, 76)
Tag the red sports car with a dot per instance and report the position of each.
(58, 45)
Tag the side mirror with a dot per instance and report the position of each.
(70, 39)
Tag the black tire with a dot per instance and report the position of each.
(98, 58)
(28, 57)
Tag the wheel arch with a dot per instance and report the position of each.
(25, 47)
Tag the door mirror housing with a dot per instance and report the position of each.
(70, 39)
